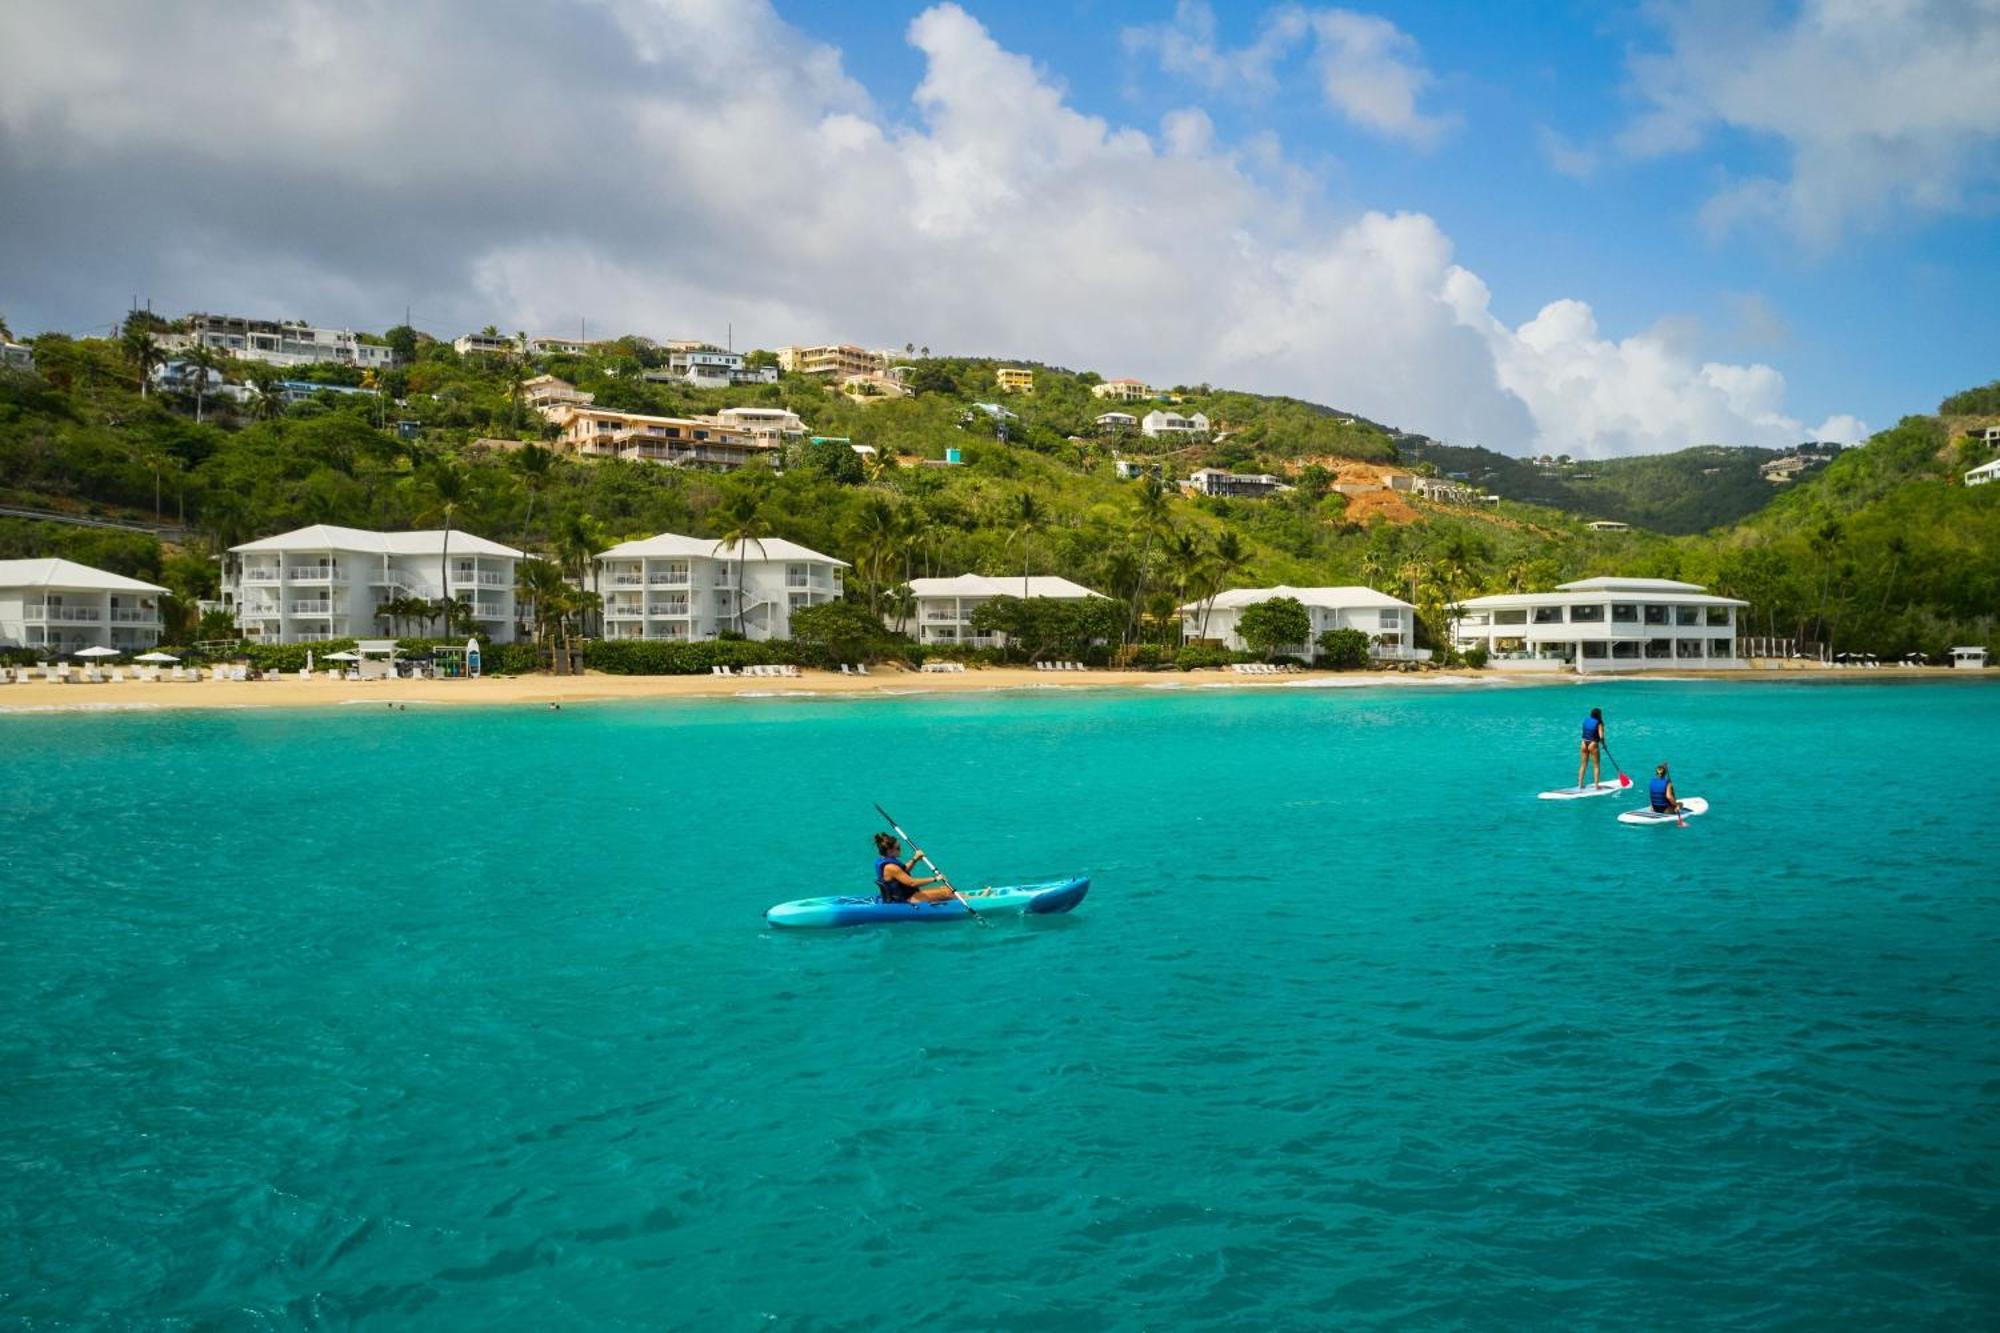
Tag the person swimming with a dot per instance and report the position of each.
(893, 880)
(1593, 748)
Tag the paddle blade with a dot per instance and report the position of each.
(1624, 781)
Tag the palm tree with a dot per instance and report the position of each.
(1150, 521)
(1189, 561)
(576, 540)
(1027, 515)
(534, 463)
(201, 359)
(144, 353)
(1372, 566)
(540, 584)
(448, 488)
(1226, 563)
(743, 524)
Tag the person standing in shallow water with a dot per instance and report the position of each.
(1593, 748)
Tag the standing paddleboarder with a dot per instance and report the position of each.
(1593, 749)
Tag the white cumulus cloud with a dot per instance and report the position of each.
(673, 167)
(1881, 107)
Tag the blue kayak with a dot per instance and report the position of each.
(1056, 895)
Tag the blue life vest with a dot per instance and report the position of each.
(1658, 787)
(1592, 729)
(882, 863)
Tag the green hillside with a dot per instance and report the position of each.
(1908, 561)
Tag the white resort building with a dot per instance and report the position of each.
(1122, 391)
(686, 588)
(326, 582)
(944, 607)
(278, 342)
(1603, 624)
(61, 606)
(1157, 423)
(1389, 622)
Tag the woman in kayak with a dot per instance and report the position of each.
(1662, 792)
(893, 879)
(1593, 748)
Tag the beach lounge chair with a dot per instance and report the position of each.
(860, 668)
(240, 673)
(844, 671)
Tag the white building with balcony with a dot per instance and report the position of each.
(62, 607)
(1389, 622)
(943, 607)
(279, 342)
(1157, 423)
(684, 589)
(326, 582)
(1603, 624)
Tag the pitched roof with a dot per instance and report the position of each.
(330, 537)
(986, 585)
(67, 576)
(1332, 599)
(674, 546)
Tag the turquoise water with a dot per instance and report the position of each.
(459, 1019)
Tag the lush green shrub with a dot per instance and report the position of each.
(1147, 656)
(1201, 657)
(1274, 623)
(1474, 657)
(918, 654)
(1343, 649)
(510, 659)
(659, 657)
(288, 657)
(836, 632)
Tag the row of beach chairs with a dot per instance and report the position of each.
(62, 673)
(1059, 666)
(1263, 668)
(942, 668)
(770, 670)
(858, 669)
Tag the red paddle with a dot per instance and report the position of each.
(1623, 781)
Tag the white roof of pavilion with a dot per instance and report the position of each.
(329, 537)
(1332, 599)
(671, 545)
(987, 585)
(59, 575)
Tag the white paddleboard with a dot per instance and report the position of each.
(1578, 793)
(1690, 807)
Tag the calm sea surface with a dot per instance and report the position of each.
(470, 1019)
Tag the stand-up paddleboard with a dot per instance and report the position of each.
(1019, 899)
(1690, 807)
(1578, 793)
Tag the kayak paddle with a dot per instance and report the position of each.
(926, 858)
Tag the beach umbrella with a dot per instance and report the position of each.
(343, 657)
(97, 650)
(156, 657)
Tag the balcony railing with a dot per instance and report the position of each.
(477, 578)
(312, 608)
(262, 575)
(667, 609)
(490, 611)
(120, 616)
(316, 574)
(668, 580)
(624, 613)
(627, 580)
(64, 615)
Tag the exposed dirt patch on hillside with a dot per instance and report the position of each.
(1385, 505)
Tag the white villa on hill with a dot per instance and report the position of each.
(1389, 622)
(326, 582)
(61, 606)
(1603, 624)
(685, 588)
(1158, 423)
(944, 607)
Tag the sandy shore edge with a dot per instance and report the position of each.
(41, 697)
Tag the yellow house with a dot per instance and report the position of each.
(1015, 381)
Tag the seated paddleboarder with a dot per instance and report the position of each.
(1662, 791)
(893, 879)
(1593, 748)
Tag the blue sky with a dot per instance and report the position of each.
(1887, 321)
(1598, 230)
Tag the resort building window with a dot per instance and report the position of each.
(1687, 648)
(1722, 647)
(1595, 648)
(1719, 615)
(1626, 648)
(1624, 613)
(1687, 615)
(1656, 615)
(1548, 615)
(1510, 617)
(1657, 648)
(1586, 615)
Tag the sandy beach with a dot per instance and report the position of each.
(518, 691)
